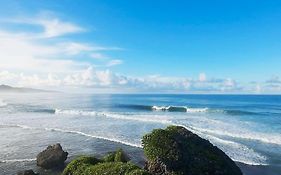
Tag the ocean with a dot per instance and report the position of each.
(246, 127)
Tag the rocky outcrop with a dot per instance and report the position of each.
(26, 172)
(177, 151)
(53, 156)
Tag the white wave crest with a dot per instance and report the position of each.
(195, 110)
(94, 136)
(74, 132)
(17, 160)
(140, 118)
(261, 137)
(161, 108)
(179, 108)
(75, 112)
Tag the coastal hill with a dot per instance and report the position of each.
(7, 88)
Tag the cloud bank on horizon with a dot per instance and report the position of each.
(44, 51)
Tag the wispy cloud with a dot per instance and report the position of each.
(51, 25)
(98, 56)
(114, 62)
(55, 27)
(32, 51)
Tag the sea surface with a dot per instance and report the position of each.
(246, 127)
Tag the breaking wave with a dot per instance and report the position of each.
(17, 160)
(186, 109)
(179, 109)
(143, 118)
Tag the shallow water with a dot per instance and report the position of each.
(247, 128)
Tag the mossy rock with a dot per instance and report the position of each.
(78, 165)
(117, 156)
(112, 164)
(109, 157)
(139, 172)
(112, 168)
(177, 151)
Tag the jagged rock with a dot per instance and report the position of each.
(26, 172)
(53, 156)
(177, 151)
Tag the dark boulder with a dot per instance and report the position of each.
(177, 151)
(26, 172)
(53, 156)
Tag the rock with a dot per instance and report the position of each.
(53, 156)
(26, 172)
(177, 151)
(79, 165)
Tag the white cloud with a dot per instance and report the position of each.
(274, 80)
(114, 62)
(55, 27)
(74, 48)
(26, 51)
(258, 88)
(51, 26)
(98, 56)
(104, 80)
(202, 77)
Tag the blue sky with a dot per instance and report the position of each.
(142, 46)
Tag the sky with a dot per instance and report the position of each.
(142, 46)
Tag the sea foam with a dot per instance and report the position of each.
(3, 103)
(179, 109)
(72, 132)
(17, 160)
(140, 118)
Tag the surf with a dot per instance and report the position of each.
(3, 103)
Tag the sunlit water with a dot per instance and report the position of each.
(246, 128)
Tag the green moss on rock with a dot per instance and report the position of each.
(175, 150)
(77, 166)
(138, 172)
(111, 168)
(112, 164)
(109, 157)
(117, 156)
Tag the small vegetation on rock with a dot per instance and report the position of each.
(117, 156)
(115, 163)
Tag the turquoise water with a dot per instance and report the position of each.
(245, 127)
